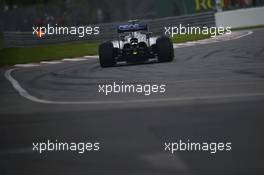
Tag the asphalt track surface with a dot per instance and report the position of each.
(214, 93)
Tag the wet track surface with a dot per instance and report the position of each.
(214, 93)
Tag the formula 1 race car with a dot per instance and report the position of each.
(135, 45)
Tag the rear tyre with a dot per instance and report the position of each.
(164, 49)
(106, 54)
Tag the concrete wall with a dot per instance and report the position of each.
(240, 18)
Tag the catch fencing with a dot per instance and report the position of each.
(107, 31)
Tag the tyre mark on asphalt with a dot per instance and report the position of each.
(28, 96)
(65, 71)
(211, 53)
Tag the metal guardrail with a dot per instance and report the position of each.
(107, 31)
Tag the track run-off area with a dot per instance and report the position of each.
(214, 93)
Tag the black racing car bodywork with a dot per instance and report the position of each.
(135, 44)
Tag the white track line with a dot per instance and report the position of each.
(220, 38)
(30, 97)
(27, 65)
(74, 59)
(95, 56)
(180, 45)
(50, 62)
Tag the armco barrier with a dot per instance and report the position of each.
(107, 31)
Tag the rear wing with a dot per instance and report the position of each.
(132, 27)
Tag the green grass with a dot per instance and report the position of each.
(189, 37)
(11, 56)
